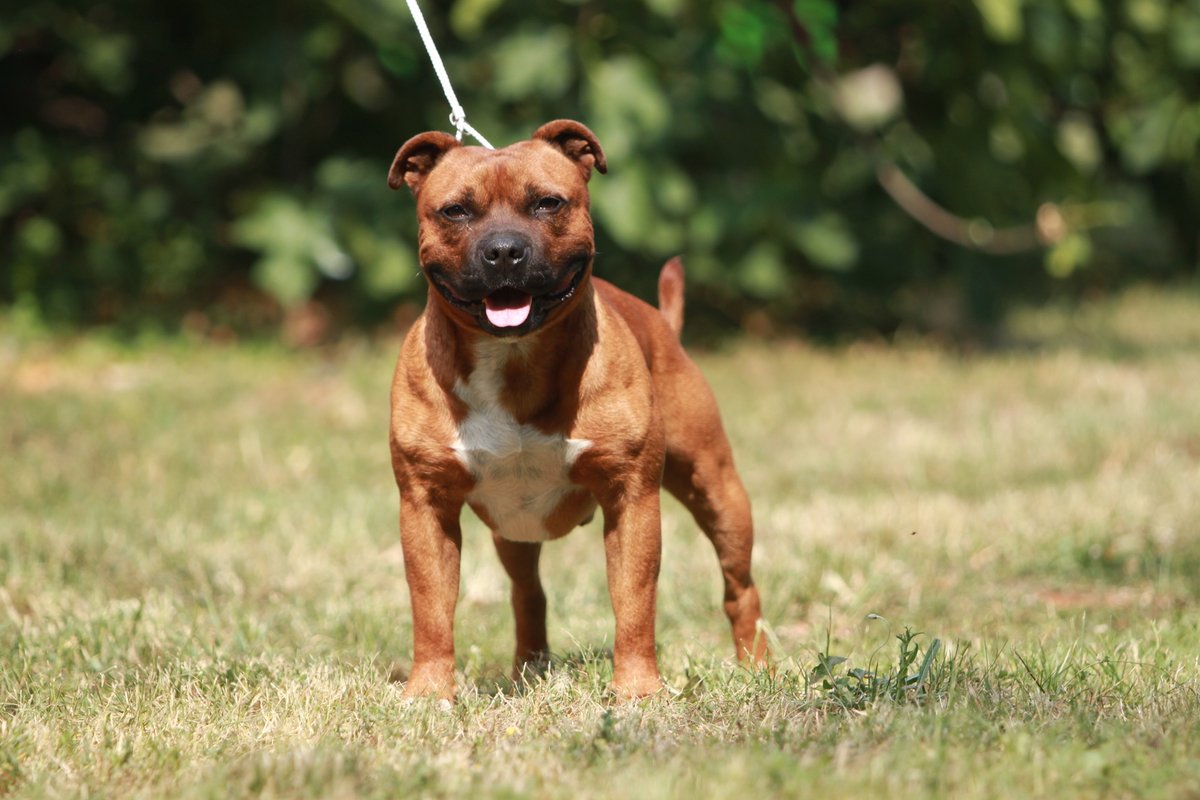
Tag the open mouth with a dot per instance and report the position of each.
(510, 309)
(507, 308)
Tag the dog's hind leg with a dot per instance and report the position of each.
(699, 472)
(520, 560)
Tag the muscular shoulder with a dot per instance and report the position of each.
(423, 423)
(619, 413)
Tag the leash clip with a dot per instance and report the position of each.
(458, 117)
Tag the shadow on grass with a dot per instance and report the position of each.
(586, 668)
(1111, 562)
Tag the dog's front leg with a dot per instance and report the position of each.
(633, 551)
(432, 541)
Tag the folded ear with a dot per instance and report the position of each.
(416, 158)
(576, 142)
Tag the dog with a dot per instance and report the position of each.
(537, 393)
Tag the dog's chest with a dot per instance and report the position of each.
(522, 475)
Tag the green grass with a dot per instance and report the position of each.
(202, 595)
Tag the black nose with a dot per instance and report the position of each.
(505, 250)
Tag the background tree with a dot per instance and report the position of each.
(230, 159)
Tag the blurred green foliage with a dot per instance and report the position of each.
(163, 158)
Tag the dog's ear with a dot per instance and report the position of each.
(416, 158)
(576, 142)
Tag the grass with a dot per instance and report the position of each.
(201, 590)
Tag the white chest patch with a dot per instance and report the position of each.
(521, 473)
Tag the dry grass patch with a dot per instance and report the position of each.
(201, 593)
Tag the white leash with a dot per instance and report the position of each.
(458, 117)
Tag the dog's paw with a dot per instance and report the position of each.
(435, 682)
(637, 682)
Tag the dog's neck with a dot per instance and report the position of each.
(532, 374)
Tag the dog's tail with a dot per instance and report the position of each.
(670, 294)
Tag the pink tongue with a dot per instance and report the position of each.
(508, 312)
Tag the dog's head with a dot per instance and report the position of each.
(505, 235)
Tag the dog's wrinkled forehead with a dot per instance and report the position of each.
(515, 175)
(519, 165)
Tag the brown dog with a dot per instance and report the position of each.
(535, 393)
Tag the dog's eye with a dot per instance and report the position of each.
(548, 205)
(455, 212)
